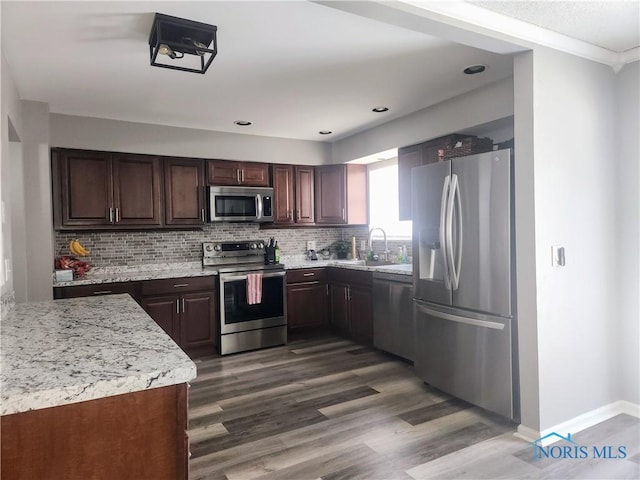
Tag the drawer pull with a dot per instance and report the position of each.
(178, 285)
(308, 274)
(101, 292)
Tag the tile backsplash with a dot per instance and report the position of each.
(163, 246)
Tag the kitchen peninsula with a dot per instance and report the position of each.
(92, 388)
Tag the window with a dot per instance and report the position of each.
(383, 201)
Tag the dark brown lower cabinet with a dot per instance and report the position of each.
(197, 321)
(165, 311)
(307, 299)
(186, 308)
(352, 303)
(132, 436)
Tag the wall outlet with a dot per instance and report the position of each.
(311, 244)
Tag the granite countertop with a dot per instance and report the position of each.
(139, 272)
(195, 269)
(66, 351)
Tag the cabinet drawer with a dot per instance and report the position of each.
(351, 277)
(307, 275)
(178, 285)
(100, 289)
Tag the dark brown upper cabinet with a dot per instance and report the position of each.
(341, 195)
(99, 190)
(293, 188)
(227, 172)
(184, 192)
(415, 156)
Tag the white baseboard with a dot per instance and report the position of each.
(579, 423)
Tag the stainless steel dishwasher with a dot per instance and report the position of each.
(393, 327)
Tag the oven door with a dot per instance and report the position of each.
(236, 315)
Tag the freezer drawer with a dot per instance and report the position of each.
(469, 357)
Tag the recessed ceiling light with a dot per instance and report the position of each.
(473, 69)
(242, 123)
(325, 132)
(380, 109)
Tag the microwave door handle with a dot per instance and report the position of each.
(258, 206)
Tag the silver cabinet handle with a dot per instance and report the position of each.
(183, 305)
(101, 292)
(327, 287)
(238, 175)
(178, 285)
(177, 306)
(202, 215)
(308, 274)
(344, 217)
(117, 214)
(349, 293)
(345, 293)
(110, 215)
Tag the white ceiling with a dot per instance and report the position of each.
(292, 68)
(613, 25)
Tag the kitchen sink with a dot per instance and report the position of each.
(377, 263)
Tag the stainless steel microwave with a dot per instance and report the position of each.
(240, 204)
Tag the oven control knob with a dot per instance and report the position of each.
(260, 245)
(217, 248)
(253, 246)
(208, 248)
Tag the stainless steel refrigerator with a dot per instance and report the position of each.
(464, 303)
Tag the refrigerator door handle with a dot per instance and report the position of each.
(443, 236)
(457, 247)
(449, 233)
(456, 318)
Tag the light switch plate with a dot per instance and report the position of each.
(311, 244)
(557, 256)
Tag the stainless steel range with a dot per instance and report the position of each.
(247, 324)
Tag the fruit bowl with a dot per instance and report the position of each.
(66, 262)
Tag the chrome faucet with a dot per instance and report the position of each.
(386, 246)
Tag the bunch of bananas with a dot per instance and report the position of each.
(76, 248)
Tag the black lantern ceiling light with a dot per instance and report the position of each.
(172, 38)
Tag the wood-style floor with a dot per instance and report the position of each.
(326, 408)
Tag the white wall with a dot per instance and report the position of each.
(480, 106)
(627, 162)
(113, 135)
(574, 181)
(37, 195)
(11, 119)
(525, 226)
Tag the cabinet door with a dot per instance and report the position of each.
(304, 195)
(136, 190)
(307, 305)
(184, 192)
(254, 174)
(339, 307)
(330, 193)
(361, 313)
(197, 323)
(85, 186)
(165, 311)
(223, 172)
(283, 194)
(408, 157)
